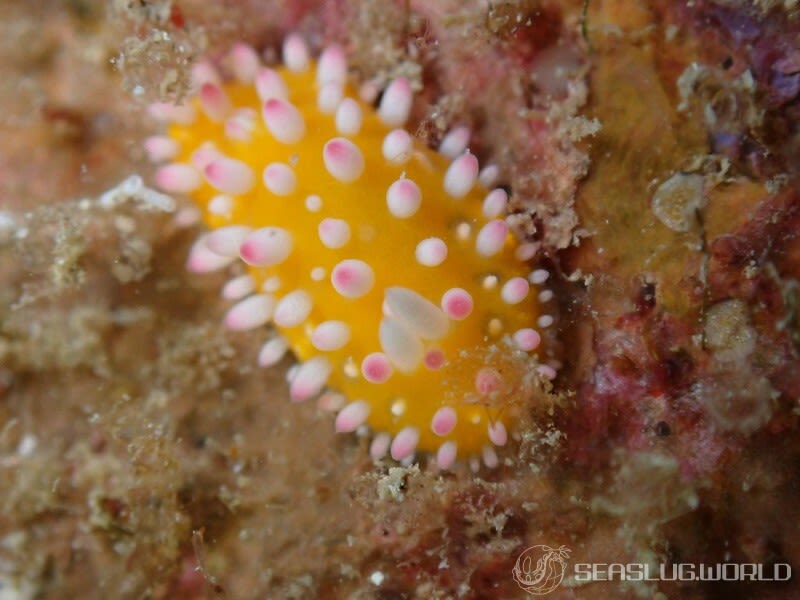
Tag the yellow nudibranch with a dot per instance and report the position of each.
(387, 268)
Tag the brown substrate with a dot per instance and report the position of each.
(141, 455)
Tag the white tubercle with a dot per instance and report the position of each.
(488, 176)
(330, 335)
(269, 85)
(380, 446)
(515, 290)
(446, 455)
(539, 276)
(457, 303)
(352, 416)
(310, 378)
(444, 421)
(244, 62)
(497, 433)
(182, 114)
(272, 284)
(215, 102)
(334, 233)
(352, 278)
(398, 146)
(343, 159)
(527, 339)
(279, 178)
(293, 309)
(225, 241)
(434, 359)
(203, 260)
(547, 371)
(254, 311)
(238, 287)
(546, 295)
(178, 178)
(494, 205)
(369, 91)
(490, 457)
(526, 251)
(416, 313)
(241, 124)
(204, 72)
(330, 401)
(545, 321)
(376, 367)
(431, 252)
(186, 217)
(332, 66)
(295, 53)
(221, 206)
(349, 117)
(204, 155)
(272, 352)
(284, 121)
(266, 247)
(230, 176)
(461, 175)
(405, 443)
(455, 142)
(160, 148)
(491, 238)
(313, 203)
(403, 198)
(396, 103)
(488, 381)
(329, 97)
(403, 348)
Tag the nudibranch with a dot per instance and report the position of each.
(387, 268)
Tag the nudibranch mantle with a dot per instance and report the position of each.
(386, 267)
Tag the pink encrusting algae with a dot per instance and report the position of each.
(387, 268)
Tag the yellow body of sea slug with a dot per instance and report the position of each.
(384, 266)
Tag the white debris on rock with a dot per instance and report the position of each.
(677, 200)
(133, 188)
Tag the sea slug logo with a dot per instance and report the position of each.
(540, 569)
